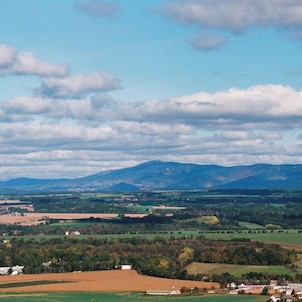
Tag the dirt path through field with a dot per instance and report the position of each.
(99, 281)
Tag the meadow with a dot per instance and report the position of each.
(236, 270)
(122, 297)
(280, 237)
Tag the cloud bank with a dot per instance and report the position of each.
(78, 85)
(14, 62)
(236, 126)
(235, 17)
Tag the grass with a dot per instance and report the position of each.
(251, 226)
(122, 297)
(288, 238)
(236, 270)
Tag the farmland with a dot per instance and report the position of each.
(98, 281)
(291, 239)
(172, 234)
(119, 297)
(236, 270)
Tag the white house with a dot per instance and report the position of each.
(126, 266)
(17, 270)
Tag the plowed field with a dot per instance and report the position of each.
(99, 281)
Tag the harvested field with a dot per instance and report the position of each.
(36, 218)
(99, 281)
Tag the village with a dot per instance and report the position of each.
(288, 292)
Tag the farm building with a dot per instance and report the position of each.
(255, 289)
(163, 292)
(15, 270)
(4, 270)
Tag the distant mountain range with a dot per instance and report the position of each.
(158, 175)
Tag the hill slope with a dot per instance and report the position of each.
(155, 175)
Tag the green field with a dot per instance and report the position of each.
(236, 270)
(122, 297)
(286, 236)
(251, 226)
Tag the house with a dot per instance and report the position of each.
(282, 298)
(275, 298)
(126, 267)
(288, 298)
(17, 270)
(254, 289)
(67, 233)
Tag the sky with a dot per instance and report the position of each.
(94, 85)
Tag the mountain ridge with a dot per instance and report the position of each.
(159, 175)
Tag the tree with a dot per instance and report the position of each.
(264, 291)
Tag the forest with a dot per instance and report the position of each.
(163, 257)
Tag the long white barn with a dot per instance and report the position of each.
(15, 270)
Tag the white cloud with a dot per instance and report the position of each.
(28, 105)
(98, 8)
(79, 85)
(7, 56)
(13, 62)
(236, 16)
(258, 107)
(236, 126)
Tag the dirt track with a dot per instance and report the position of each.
(100, 281)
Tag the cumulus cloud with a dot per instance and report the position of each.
(98, 8)
(79, 85)
(28, 106)
(13, 62)
(236, 126)
(259, 107)
(237, 16)
(7, 55)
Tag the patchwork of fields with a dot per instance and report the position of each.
(214, 221)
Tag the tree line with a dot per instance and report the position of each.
(163, 257)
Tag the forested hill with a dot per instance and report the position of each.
(157, 175)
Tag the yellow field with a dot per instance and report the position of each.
(98, 281)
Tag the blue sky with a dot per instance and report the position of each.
(91, 85)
